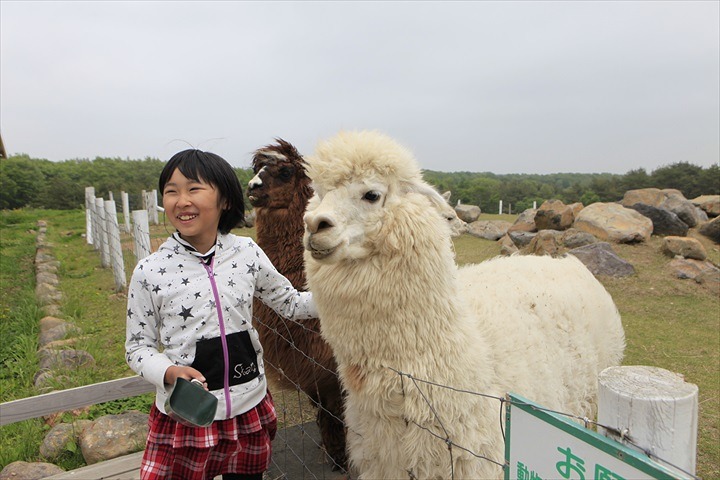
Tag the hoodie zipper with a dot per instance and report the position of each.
(226, 383)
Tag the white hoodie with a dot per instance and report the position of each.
(182, 311)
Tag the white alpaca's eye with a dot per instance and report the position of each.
(372, 196)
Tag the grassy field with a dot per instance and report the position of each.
(669, 323)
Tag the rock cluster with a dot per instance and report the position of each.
(589, 232)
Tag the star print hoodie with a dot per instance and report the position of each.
(188, 309)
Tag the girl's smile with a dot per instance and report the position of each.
(193, 208)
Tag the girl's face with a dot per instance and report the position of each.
(194, 209)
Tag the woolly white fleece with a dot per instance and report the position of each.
(390, 297)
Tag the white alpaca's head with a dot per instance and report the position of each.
(369, 198)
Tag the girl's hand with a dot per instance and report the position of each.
(188, 373)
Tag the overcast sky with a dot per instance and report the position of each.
(503, 87)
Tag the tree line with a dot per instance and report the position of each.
(39, 183)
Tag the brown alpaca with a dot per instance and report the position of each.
(296, 356)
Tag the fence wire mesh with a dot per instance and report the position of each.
(297, 448)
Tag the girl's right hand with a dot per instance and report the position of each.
(188, 373)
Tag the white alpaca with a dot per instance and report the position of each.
(391, 298)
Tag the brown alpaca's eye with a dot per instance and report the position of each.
(286, 173)
(372, 196)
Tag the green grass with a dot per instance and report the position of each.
(669, 323)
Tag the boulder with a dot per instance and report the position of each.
(711, 229)
(56, 440)
(613, 222)
(710, 204)
(29, 470)
(112, 436)
(664, 221)
(600, 259)
(47, 294)
(521, 239)
(702, 272)
(525, 222)
(545, 242)
(64, 359)
(684, 247)
(574, 238)
(555, 215)
(682, 207)
(50, 321)
(507, 246)
(489, 229)
(52, 334)
(647, 196)
(467, 213)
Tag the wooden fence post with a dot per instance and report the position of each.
(141, 229)
(114, 246)
(89, 205)
(102, 236)
(126, 210)
(150, 204)
(653, 408)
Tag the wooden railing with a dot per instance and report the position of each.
(72, 398)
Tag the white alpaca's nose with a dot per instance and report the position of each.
(316, 223)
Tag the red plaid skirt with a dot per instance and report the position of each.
(238, 445)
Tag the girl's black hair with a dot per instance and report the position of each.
(215, 170)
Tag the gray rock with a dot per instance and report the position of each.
(47, 294)
(711, 229)
(48, 335)
(600, 259)
(467, 213)
(520, 238)
(573, 238)
(64, 359)
(683, 208)
(489, 229)
(702, 272)
(664, 221)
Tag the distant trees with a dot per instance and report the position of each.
(28, 182)
(25, 181)
(520, 190)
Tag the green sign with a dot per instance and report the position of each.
(542, 445)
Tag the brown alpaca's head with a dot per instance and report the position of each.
(279, 176)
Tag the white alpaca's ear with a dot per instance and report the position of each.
(427, 190)
(446, 196)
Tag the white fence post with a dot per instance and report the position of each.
(102, 237)
(89, 206)
(500, 208)
(653, 408)
(126, 210)
(150, 204)
(141, 230)
(114, 245)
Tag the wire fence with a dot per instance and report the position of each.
(300, 451)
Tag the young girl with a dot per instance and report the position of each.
(190, 316)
